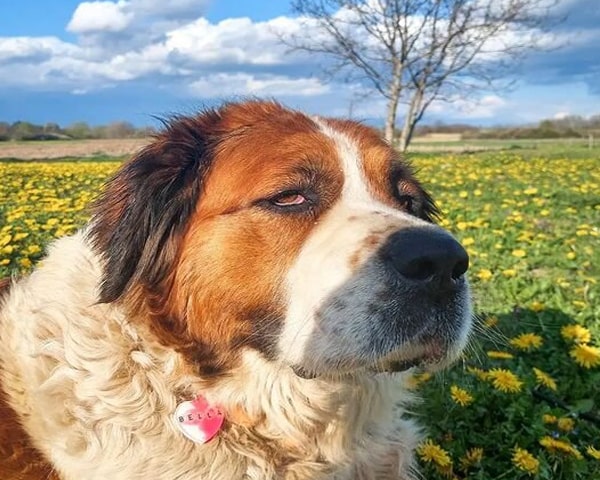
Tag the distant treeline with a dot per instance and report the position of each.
(76, 131)
(567, 127)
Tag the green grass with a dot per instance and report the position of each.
(550, 148)
(531, 223)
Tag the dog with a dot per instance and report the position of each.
(247, 302)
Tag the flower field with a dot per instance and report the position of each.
(524, 402)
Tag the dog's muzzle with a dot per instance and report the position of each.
(407, 305)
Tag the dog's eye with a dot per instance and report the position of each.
(290, 202)
(406, 202)
(288, 199)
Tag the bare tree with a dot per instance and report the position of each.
(413, 52)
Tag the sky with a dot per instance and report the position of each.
(65, 61)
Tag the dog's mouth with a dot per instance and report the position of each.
(431, 356)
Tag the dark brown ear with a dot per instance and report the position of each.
(140, 217)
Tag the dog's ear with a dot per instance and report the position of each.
(139, 219)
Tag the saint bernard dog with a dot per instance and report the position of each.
(246, 302)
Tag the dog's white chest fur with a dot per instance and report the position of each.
(97, 395)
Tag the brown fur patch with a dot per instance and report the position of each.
(369, 244)
(19, 459)
(237, 252)
(4, 286)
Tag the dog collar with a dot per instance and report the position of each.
(198, 420)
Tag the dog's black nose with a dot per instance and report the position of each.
(426, 255)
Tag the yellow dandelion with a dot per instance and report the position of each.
(579, 304)
(509, 273)
(576, 333)
(460, 396)
(478, 372)
(33, 249)
(415, 380)
(484, 274)
(490, 322)
(525, 236)
(530, 191)
(504, 380)
(527, 341)
(411, 383)
(463, 194)
(5, 240)
(549, 419)
(593, 452)
(559, 446)
(566, 424)
(519, 253)
(571, 255)
(25, 262)
(525, 461)
(500, 355)
(537, 306)
(586, 355)
(467, 242)
(471, 457)
(431, 452)
(544, 379)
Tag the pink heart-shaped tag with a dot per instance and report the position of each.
(198, 420)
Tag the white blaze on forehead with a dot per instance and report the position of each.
(323, 265)
(356, 188)
(355, 185)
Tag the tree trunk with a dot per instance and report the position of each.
(393, 99)
(390, 120)
(412, 115)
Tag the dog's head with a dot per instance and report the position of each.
(254, 227)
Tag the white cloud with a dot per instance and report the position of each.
(169, 8)
(226, 85)
(171, 44)
(235, 40)
(108, 17)
(487, 106)
(93, 17)
(33, 48)
(243, 51)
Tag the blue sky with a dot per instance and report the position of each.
(100, 61)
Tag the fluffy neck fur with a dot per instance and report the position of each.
(100, 392)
